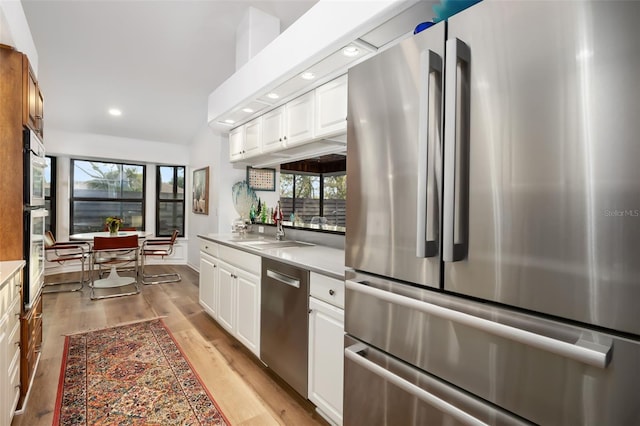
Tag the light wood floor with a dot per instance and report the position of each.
(247, 392)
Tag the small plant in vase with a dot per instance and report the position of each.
(113, 224)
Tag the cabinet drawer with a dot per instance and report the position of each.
(13, 348)
(10, 292)
(327, 289)
(248, 262)
(209, 248)
(14, 389)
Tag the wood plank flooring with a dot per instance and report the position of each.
(247, 392)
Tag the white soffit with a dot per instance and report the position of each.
(327, 26)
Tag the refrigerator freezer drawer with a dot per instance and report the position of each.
(397, 393)
(545, 371)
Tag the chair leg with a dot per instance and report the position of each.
(79, 284)
(162, 278)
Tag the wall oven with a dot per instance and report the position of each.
(34, 217)
(34, 166)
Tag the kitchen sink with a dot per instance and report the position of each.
(271, 244)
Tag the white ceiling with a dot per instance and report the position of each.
(155, 60)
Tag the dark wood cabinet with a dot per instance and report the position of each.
(33, 102)
(30, 346)
(11, 167)
(21, 105)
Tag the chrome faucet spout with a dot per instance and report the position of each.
(277, 217)
(279, 230)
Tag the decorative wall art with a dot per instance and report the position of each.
(201, 191)
(261, 179)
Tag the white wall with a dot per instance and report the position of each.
(15, 32)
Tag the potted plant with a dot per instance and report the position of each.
(113, 224)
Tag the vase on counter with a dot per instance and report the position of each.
(114, 227)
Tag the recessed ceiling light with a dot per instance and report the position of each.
(247, 110)
(115, 112)
(228, 121)
(308, 75)
(273, 95)
(350, 51)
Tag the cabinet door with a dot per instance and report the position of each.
(248, 327)
(39, 113)
(326, 359)
(4, 368)
(299, 120)
(273, 127)
(209, 284)
(227, 300)
(236, 144)
(331, 108)
(252, 137)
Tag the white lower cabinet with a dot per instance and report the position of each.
(248, 329)
(326, 358)
(230, 292)
(227, 309)
(209, 283)
(10, 306)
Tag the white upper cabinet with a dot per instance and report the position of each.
(331, 108)
(245, 141)
(299, 121)
(305, 127)
(273, 130)
(236, 144)
(253, 137)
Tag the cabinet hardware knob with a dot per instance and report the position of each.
(310, 310)
(285, 138)
(280, 139)
(215, 266)
(17, 344)
(331, 292)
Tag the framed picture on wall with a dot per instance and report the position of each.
(201, 191)
(261, 179)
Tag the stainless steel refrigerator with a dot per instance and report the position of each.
(493, 220)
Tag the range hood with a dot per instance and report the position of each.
(314, 42)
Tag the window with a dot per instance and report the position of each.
(314, 200)
(50, 194)
(169, 200)
(100, 189)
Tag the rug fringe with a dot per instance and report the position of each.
(115, 325)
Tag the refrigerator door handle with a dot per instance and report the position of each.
(591, 353)
(352, 353)
(456, 131)
(428, 135)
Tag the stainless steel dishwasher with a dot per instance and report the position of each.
(284, 322)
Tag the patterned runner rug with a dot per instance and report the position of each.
(132, 374)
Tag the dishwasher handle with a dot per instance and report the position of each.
(284, 279)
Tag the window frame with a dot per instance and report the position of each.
(321, 199)
(171, 200)
(72, 197)
(52, 197)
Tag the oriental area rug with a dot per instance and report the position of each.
(134, 374)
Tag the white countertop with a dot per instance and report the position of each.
(317, 258)
(8, 268)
